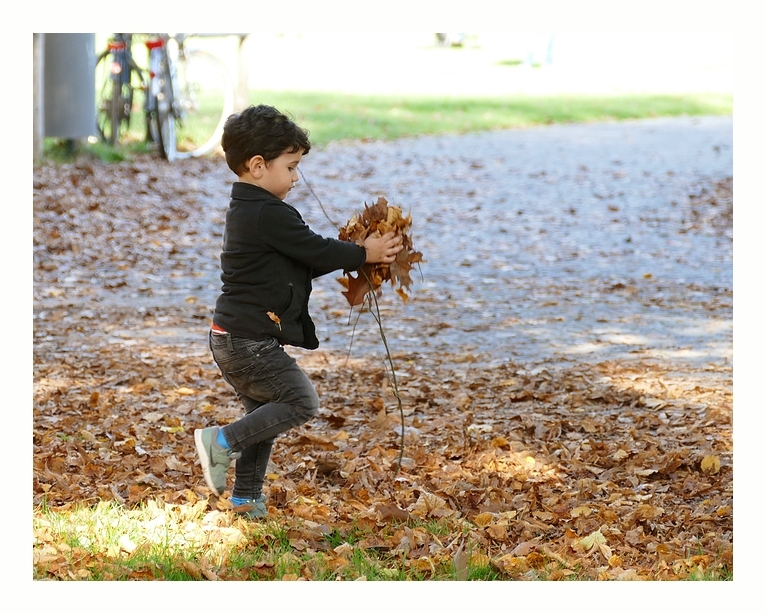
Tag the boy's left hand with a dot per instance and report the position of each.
(384, 248)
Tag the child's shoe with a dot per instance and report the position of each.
(252, 508)
(214, 458)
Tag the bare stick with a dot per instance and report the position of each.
(321, 206)
(353, 331)
(376, 315)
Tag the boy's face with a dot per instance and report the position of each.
(277, 176)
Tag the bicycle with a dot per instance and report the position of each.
(121, 77)
(191, 94)
(115, 72)
(188, 96)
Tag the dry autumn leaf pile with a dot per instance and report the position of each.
(619, 470)
(377, 220)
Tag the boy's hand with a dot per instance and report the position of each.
(383, 249)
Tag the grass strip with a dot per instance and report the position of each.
(331, 117)
(336, 117)
(155, 540)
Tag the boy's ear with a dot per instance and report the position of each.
(255, 165)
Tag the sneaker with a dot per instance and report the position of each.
(252, 508)
(214, 459)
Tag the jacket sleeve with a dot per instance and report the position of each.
(283, 229)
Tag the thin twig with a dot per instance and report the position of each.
(378, 319)
(321, 206)
(353, 331)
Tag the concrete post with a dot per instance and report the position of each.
(38, 54)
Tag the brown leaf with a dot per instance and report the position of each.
(524, 548)
(274, 318)
(497, 532)
(391, 511)
(710, 465)
(484, 519)
(192, 569)
(581, 510)
(429, 505)
(175, 465)
(357, 287)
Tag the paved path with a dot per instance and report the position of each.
(553, 244)
(565, 242)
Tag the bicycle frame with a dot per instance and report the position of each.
(161, 97)
(120, 51)
(156, 48)
(115, 104)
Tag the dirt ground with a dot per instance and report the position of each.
(565, 360)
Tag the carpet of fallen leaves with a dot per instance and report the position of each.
(615, 470)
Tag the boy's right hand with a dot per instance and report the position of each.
(384, 248)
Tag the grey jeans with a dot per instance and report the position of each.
(276, 394)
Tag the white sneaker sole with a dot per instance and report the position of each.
(204, 459)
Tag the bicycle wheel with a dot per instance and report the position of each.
(205, 99)
(165, 117)
(152, 121)
(110, 102)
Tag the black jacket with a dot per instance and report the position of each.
(268, 260)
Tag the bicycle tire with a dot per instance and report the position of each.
(165, 117)
(109, 101)
(152, 121)
(205, 99)
(114, 103)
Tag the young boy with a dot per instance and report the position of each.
(268, 260)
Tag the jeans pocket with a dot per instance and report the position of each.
(219, 343)
(236, 376)
(251, 381)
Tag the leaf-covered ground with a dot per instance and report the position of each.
(614, 468)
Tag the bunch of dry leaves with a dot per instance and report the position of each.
(377, 220)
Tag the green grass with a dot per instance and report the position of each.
(62, 150)
(714, 575)
(334, 117)
(340, 117)
(156, 540)
(198, 126)
(108, 541)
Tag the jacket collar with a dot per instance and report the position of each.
(247, 191)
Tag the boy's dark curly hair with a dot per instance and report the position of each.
(260, 131)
